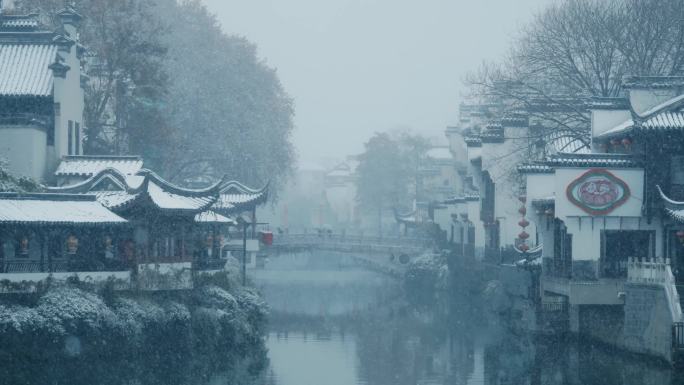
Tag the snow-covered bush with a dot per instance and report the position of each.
(77, 311)
(426, 279)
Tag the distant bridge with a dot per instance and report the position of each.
(388, 255)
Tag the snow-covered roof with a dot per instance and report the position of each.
(607, 103)
(234, 196)
(673, 209)
(118, 191)
(171, 199)
(439, 153)
(664, 116)
(114, 199)
(54, 209)
(88, 165)
(18, 22)
(534, 168)
(473, 141)
(567, 142)
(24, 69)
(213, 217)
(650, 82)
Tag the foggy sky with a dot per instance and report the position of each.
(355, 67)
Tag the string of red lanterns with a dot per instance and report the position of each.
(523, 236)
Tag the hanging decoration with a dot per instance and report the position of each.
(523, 236)
(598, 192)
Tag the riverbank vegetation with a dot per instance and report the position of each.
(171, 338)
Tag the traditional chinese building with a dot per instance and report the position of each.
(610, 220)
(41, 95)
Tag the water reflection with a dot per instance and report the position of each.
(379, 340)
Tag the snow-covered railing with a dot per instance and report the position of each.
(656, 271)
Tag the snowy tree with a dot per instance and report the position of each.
(577, 49)
(167, 83)
(387, 171)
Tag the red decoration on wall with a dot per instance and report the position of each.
(598, 192)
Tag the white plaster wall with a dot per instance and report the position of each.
(500, 160)
(68, 93)
(603, 120)
(474, 153)
(586, 234)
(457, 146)
(25, 149)
(643, 100)
(539, 186)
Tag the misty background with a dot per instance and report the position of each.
(355, 67)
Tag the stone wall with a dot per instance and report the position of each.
(648, 321)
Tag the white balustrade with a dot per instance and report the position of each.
(656, 271)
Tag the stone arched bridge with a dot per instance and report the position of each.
(386, 254)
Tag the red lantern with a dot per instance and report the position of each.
(523, 247)
(626, 142)
(524, 223)
(266, 237)
(522, 198)
(523, 210)
(680, 235)
(523, 235)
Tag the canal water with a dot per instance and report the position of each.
(335, 324)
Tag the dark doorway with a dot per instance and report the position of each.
(617, 246)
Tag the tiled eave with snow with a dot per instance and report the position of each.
(672, 208)
(89, 165)
(651, 82)
(473, 141)
(55, 209)
(535, 168)
(234, 197)
(665, 117)
(144, 190)
(591, 160)
(607, 103)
